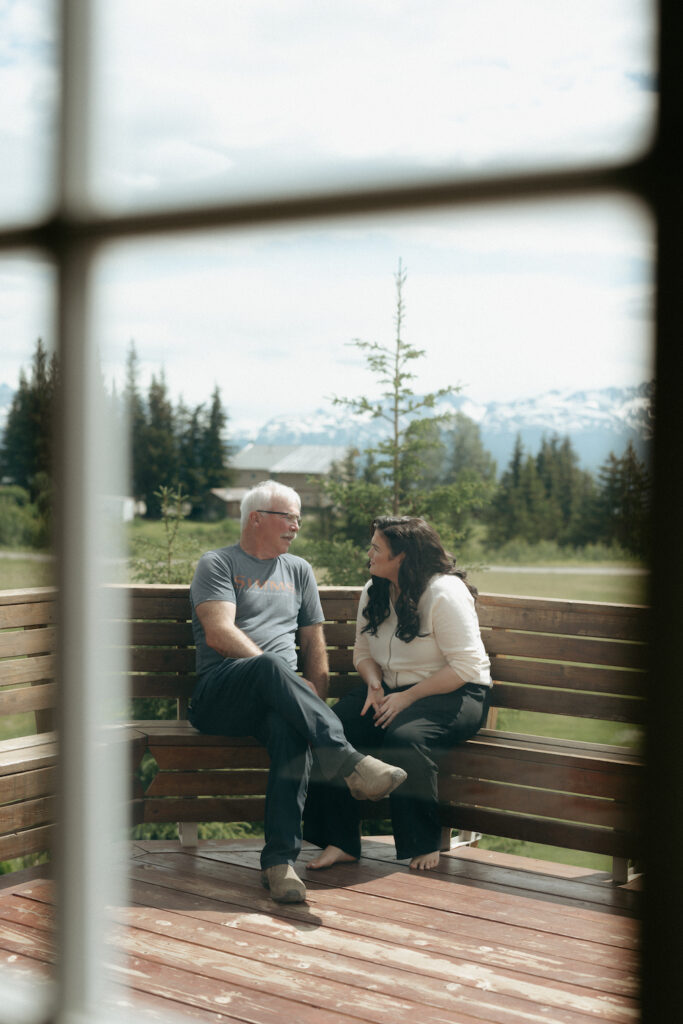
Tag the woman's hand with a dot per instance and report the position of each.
(391, 705)
(374, 698)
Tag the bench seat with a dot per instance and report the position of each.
(563, 793)
(28, 767)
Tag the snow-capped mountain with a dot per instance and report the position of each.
(598, 421)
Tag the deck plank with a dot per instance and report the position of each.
(483, 940)
(379, 882)
(393, 944)
(366, 916)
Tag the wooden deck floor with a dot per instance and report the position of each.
(486, 938)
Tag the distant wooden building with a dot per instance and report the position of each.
(296, 465)
(222, 502)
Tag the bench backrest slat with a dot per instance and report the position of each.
(17, 642)
(587, 678)
(583, 650)
(27, 670)
(19, 700)
(583, 659)
(563, 702)
(574, 618)
(162, 659)
(162, 686)
(160, 607)
(27, 613)
(539, 803)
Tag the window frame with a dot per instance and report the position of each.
(71, 237)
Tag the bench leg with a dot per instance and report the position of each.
(464, 839)
(188, 833)
(619, 870)
(468, 839)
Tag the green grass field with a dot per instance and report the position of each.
(625, 587)
(612, 582)
(18, 572)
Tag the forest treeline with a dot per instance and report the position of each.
(169, 446)
(432, 465)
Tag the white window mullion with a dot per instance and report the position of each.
(92, 817)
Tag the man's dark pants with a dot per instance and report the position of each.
(263, 697)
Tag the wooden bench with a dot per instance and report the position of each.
(550, 660)
(27, 763)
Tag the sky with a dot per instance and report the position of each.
(197, 99)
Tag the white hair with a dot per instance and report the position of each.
(265, 495)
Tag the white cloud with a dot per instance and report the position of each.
(26, 312)
(27, 106)
(197, 96)
(507, 306)
(287, 93)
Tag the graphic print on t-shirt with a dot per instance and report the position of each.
(247, 583)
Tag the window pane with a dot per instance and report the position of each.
(540, 313)
(221, 98)
(511, 302)
(28, 108)
(27, 698)
(43, 629)
(27, 377)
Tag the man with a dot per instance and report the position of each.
(248, 601)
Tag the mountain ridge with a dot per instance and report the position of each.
(598, 421)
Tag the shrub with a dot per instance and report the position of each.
(21, 525)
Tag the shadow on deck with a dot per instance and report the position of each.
(485, 938)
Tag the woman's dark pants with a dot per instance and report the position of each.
(415, 740)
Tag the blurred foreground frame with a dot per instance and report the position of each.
(71, 237)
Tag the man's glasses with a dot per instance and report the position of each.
(283, 515)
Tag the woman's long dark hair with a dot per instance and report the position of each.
(424, 557)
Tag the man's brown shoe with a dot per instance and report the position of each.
(284, 884)
(372, 779)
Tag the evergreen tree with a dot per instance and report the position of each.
(17, 457)
(137, 424)
(403, 472)
(505, 514)
(543, 498)
(397, 454)
(26, 456)
(537, 520)
(370, 473)
(423, 456)
(159, 443)
(214, 450)
(467, 452)
(192, 477)
(168, 449)
(202, 450)
(623, 501)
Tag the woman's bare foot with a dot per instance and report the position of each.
(330, 855)
(425, 862)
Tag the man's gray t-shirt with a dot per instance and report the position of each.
(273, 597)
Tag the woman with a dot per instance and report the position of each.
(426, 684)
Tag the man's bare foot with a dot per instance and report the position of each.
(330, 855)
(425, 862)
